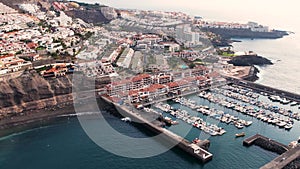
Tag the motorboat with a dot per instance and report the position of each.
(126, 119)
(242, 134)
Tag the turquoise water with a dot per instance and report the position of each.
(64, 144)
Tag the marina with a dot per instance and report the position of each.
(251, 110)
(197, 122)
(160, 69)
(248, 96)
(231, 145)
(221, 112)
(191, 148)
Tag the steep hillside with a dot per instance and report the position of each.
(29, 92)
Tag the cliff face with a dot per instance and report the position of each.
(31, 91)
(89, 16)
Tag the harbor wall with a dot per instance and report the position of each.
(167, 136)
(270, 145)
(287, 160)
(265, 89)
(294, 164)
(266, 143)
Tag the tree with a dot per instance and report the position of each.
(192, 65)
(74, 51)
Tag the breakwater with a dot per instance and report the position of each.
(266, 89)
(266, 143)
(288, 160)
(196, 150)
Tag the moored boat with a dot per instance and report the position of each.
(288, 126)
(126, 119)
(294, 103)
(242, 134)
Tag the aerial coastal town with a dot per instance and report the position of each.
(146, 63)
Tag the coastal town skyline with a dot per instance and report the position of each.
(133, 88)
(230, 11)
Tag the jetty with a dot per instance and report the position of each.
(266, 143)
(265, 89)
(289, 159)
(196, 150)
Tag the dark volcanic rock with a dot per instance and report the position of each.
(245, 33)
(249, 60)
(89, 16)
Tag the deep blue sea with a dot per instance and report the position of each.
(64, 145)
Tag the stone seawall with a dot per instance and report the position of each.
(270, 145)
(266, 143)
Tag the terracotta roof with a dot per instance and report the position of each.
(172, 84)
(182, 82)
(121, 82)
(51, 70)
(213, 75)
(201, 78)
(133, 92)
(140, 77)
(5, 56)
(154, 87)
(32, 45)
(114, 99)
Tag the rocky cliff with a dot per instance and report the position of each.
(31, 91)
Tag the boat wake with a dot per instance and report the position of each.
(78, 114)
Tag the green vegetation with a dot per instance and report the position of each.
(192, 65)
(91, 6)
(43, 68)
(40, 48)
(227, 54)
(19, 52)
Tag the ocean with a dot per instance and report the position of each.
(64, 144)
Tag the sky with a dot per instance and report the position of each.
(276, 13)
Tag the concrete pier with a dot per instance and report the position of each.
(266, 143)
(289, 159)
(193, 149)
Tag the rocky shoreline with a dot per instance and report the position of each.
(246, 33)
(252, 76)
(250, 60)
